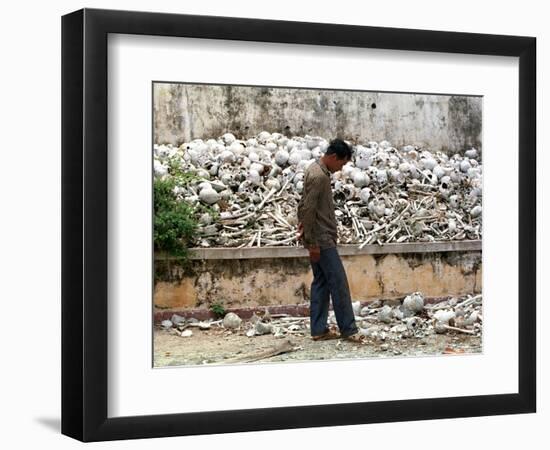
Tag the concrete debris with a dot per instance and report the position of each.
(186, 333)
(383, 195)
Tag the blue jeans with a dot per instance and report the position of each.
(330, 281)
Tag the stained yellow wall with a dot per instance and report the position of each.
(286, 281)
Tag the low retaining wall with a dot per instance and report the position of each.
(252, 277)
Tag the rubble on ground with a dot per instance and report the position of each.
(410, 318)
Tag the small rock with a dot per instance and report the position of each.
(166, 324)
(385, 347)
(251, 332)
(231, 321)
(254, 318)
(186, 333)
(364, 311)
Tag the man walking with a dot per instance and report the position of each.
(317, 228)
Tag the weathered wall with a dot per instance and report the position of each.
(441, 122)
(238, 283)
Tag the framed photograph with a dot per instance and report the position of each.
(271, 224)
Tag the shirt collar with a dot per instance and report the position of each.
(325, 169)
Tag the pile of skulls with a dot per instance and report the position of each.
(383, 195)
(413, 318)
(410, 318)
(278, 325)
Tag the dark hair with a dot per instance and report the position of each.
(340, 149)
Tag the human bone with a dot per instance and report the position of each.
(231, 320)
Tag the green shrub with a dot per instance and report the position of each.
(175, 221)
(218, 309)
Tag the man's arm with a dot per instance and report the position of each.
(308, 215)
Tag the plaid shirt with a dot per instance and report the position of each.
(316, 208)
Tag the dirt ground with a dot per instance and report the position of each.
(220, 346)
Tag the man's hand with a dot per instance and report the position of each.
(314, 254)
(300, 231)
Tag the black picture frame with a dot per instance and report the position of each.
(84, 224)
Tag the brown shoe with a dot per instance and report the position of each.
(326, 336)
(356, 338)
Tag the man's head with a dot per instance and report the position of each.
(338, 153)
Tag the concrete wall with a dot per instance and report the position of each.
(251, 282)
(440, 122)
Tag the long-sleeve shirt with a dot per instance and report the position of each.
(316, 208)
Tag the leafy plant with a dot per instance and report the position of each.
(174, 223)
(218, 309)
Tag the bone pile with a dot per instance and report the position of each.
(384, 195)
(411, 318)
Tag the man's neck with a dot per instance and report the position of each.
(322, 161)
